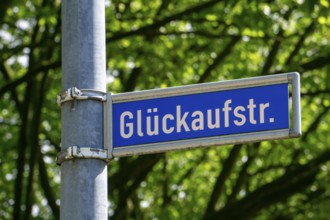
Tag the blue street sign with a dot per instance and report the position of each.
(204, 115)
(201, 115)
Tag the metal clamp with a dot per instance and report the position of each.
(73, 94)
(75, 152)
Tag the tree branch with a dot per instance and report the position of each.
(293, 181)
(20, 162)
(3, 9)
(242, 176)
(140, 31)
(44, 182)
(163, 6)
(316, 93)
(275, 48)
(186, 175)
(132, 80)
(220, 182)
(315, 123)
(133, 169)
(38, 89)
(317, 63)
(28, 76)
(4, 68)
(216, 62)
(120, 212)
(300, 43)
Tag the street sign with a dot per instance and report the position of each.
(209, 114)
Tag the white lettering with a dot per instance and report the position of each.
(139, 123)
(226, 110)
(123, 124)
(262, 108)
(251, 108)
(148, 122)
(239, 115)
(216, 123)
(155, 131)
(198, 123)
(166, 129)
(181, 120)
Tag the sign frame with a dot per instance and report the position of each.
(294, 130)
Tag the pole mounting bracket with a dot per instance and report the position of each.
(75, 152)
(74, 94)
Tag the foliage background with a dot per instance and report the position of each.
(158, 44)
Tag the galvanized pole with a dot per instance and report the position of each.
(83, 181)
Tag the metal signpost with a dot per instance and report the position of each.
(83, 182)
(202, 115)
(209, 114)
(106, 125)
